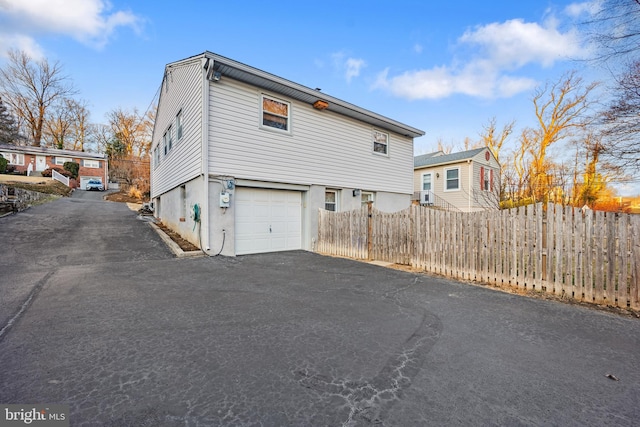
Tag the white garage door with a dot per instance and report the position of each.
(85, 179)
(267, 220)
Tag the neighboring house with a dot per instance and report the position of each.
(467, 181)
(243, 160)
(92, 165)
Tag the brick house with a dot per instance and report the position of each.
(92, 165)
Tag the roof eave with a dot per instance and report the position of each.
(247, 74)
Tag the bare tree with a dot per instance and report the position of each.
(561, 109)
(621, 127)
(132, 131)
(615, 30)
(31, 87)
(57, 124)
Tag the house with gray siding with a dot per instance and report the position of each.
(467, 181)
(243, 160)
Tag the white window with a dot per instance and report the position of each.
(14, 158)
(91, 164)
(331, 200)
(276, 114)
(179, 126)
(165, 141)
(426, 181)
(62, 160)
(452, 179)
(366, 197)
(486, 178)
(380, 143)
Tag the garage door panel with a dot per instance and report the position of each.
(267, 220)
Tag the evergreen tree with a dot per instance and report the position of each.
(8, 128)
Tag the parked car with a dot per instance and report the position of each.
(94, 184)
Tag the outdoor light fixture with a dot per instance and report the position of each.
(356, 192)
(320, 105)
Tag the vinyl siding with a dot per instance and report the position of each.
(182, 90)
(469, 197)
(458, 198)
(322, 148)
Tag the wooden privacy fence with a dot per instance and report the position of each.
(588, 255)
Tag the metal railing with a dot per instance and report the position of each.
(429, 199)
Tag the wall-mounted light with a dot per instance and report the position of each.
(213, 75)
(356, 192)
(320, 104)
(437, 175)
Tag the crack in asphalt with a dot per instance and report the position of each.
(369, 400)
(25, 305)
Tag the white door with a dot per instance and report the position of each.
(41, 163)
(267, 220)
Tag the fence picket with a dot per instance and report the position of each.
(588, 256)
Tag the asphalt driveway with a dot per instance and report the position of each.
(96, 313)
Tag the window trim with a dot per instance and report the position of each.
(422, 181)
(65, 159)
(446, 179)
(179, 130)
(19, 158)
(91, 161)
(367, 193)
(374, 142)
(335, 202)
(262, 112)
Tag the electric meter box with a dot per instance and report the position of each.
(225, 199)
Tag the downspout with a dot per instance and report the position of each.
(204, 208)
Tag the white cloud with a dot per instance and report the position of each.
(494, 53)
(516, 43)
(351, 67)
(88, 21)
(22, 43)
(417, 48)
(590, 8)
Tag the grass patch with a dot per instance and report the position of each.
(50, 187)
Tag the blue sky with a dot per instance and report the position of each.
(443, 67)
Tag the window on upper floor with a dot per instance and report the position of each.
(179, 126)
(331, 200)
(486, 179)
(156, 156)
(452, 179)
(167, 140)
(380, 143)
(276, 114)
(91, 164)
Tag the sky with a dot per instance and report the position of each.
(446, 68)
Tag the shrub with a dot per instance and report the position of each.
(73, 168)
(134, 192)
(3, 164)
(47, 172)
